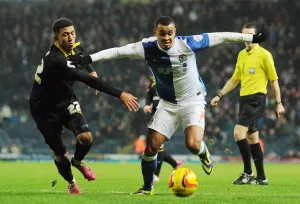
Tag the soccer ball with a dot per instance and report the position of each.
(183, 182)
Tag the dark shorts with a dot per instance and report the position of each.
(52, 124)
(251, 109)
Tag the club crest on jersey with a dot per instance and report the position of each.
(197, 38)
(133, 45)
(182, 58)
(252, 70)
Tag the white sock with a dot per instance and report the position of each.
(202, 148)
(73, 181)
(145, 158)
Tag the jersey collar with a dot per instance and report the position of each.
(64, 52)
(253, 49)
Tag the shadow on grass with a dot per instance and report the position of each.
(128, 193)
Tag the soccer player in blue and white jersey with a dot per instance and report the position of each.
(172, 60)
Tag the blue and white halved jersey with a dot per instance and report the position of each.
(175, 70)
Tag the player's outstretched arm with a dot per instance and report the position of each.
(127, 99)
(134, 50)
(223, 37)
(92, 72)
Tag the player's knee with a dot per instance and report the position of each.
(238, 136)
(85, 138)
(252, 137)
(151, 150)
(193, 146)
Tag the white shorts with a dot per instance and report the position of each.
(168, 116)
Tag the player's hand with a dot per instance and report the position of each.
(82, 60)
(279, 110)
(129, 101)
(147, 109)
(261, 36)
(215, 101)
(94, 74)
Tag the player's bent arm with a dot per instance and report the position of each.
(276, 90)
(229, 86)
(91, 81)
(225, 37)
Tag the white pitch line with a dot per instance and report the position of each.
(123, 192)
(256, 194)
(118, 192)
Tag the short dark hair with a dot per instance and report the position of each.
(61, 23)
(164, 20)
(250, 25)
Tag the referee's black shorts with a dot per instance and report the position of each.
(251, 109)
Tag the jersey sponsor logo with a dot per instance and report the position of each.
(164, 70)
(197, 38)
(182, 58)
(169, 70)
(252, 70)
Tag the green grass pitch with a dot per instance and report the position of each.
(30, 182)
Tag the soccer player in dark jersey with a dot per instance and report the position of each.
(54, 105)
(254, 68)
(152, 100)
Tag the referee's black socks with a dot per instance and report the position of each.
(246, 155)
(258, 160)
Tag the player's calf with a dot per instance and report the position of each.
(64, 167)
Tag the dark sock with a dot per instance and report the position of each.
(160, 159)
(169, 159)
(258, 158)
(64, 168)
(246, 155)
(148, 169)
(81, 151)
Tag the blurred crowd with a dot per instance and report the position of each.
(26, 35)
